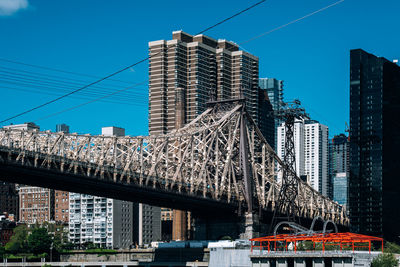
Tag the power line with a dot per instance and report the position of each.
(56, 70)
(75, 91)
(86, 103)
(291, 22)
(32, 90)
(60, 86)
(55, 78)
(231, 17)
(123, 69)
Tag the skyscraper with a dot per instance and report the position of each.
(205, 69)
(339, 168)
(374, 185)
(316, 155)
(266, 122)
(311, 152)
(274, 89)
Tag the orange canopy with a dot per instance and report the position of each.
(339, 239)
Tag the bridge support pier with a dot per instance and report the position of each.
(251, 226)
(246, 226)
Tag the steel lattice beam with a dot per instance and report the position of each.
(204, 159)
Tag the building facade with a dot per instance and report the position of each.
(299, 148)
(316, 155)
(61, 206)
(339, 168)
(62, 128)
(274, 89)
(266, 122)
(311, 152)
(36, 204)
(374, 187)
(205, 69)
(105, 222)
(28, 126)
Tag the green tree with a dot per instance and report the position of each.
(392, 248)
(39, 241)
(17, 242)
(385, 260)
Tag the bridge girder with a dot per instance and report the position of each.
(201, 159)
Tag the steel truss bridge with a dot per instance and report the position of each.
(218, 161)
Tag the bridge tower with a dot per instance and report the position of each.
(288, 208)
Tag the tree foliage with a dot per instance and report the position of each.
(18, 242)
(385, 260)
(39, 241)
(392, 248)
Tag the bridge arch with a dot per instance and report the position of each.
(326, 223)
(314, 221)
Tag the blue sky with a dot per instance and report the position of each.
(96, 38)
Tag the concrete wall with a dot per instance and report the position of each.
(220, 257)
(133, 255)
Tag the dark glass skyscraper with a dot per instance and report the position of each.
(339, 168)
(374, 184)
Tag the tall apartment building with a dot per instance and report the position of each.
(205, 69)
(299, 148)
(311, 152)
(374, 185)
(36, 204)
(339, 168)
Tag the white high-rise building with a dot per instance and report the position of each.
(311, 152)
(102, 221)
(316, 143)
(298, 146)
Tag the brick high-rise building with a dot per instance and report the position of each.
(374, 185)
(36, 204)
(61, 206)
(205, 69)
